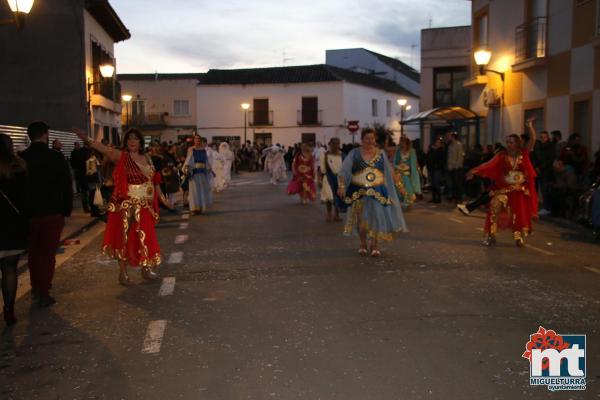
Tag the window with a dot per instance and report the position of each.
(102, 86)
(388, 108)
(260, 112)
(310, 111)
(481, 30)
(138, 111)
(448, 89)
(181, 107)
(374, 107)
(582, 120)
(106, 134)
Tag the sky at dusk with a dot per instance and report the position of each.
(196, 35)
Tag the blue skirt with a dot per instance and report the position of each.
(200, 196)
(380, 220)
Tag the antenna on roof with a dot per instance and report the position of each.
(284, 58)
(155, 75)
(430, 21)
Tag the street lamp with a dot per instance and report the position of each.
(20, 9)
(402, 103)
(482, 58)
(245, 107)
(106, 71)
(126, 98)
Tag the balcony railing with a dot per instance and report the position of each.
(149, 121)
(530, 40)
(260, 118)
(310, 117)
(105, 89)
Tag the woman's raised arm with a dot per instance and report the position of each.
(112, 154)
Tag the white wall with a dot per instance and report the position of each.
(557, 114)
(220, 113)
(582, 68)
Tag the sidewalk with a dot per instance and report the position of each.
(78, 222)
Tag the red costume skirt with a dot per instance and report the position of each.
(303, 186)
(509, 208)
(130, 234)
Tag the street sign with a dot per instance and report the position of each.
(353, 127)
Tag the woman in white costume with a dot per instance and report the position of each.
(228, 158)
(275, 163)
(329, 168)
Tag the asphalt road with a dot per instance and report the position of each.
(262, 299)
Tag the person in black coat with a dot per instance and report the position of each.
(13, 214)
(436, 162)
(50, 201)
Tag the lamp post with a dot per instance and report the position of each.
(482, 58)
(20, 9)
(402, 104)
(127, 99)
(245, 107)
(106, 71)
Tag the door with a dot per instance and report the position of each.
(263, 138)
(309, 138)
(261, 112)
(581, 121)
(310, 110)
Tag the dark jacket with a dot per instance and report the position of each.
(13, 229)
(78, 159)
(51, 187)
(544, 155)
(436, 158)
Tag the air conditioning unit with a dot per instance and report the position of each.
(491, 98)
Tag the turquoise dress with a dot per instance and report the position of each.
(406, 176)
(370, 194)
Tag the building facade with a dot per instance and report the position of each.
(445, 65)
(162, 106)
(51, 70)
(545, 62)
(288, 105)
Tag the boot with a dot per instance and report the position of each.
(9, 316)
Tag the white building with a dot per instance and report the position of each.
(370, 62)
(293, 104)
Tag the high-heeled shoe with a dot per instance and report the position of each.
(489, 241)
(148, 274)
(124, 279)
(9, 316)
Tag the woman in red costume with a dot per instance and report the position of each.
(303, 182)
(514, 200)
(130, 235)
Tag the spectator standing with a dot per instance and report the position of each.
(454, 167)
(50, 201)
(13, 230)
(543, 159)
(92, 174)
(79, 156)
(436, 162)
(576, 155)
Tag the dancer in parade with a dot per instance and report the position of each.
(331, 164)
(513, 197)
(366, 183)
(275, 163)
(406, 173)
(199, 171)
(217, 162)
(303, 182)
(130, 235)
(228, 158)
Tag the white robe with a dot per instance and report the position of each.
(275, 163)
(228, 158)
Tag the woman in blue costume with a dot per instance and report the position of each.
(366, 184)
(198, 168)
(406, 173)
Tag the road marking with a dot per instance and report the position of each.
(184, 225)
(167, 287)
(175, 257)
(85, 239)
(154, 337)
(458, 221)
(548, 253)
(479, 229)
(185, 216)
(245, 182)
(180, 239)
(592, 269)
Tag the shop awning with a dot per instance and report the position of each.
(442, 115)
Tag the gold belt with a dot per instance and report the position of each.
(200, 165)
(368, 177)
(142, 191)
